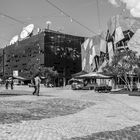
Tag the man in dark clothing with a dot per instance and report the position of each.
(6, 83)
(12, 83)
(33, 83)
(37, 81)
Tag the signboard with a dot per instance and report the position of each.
(15, 73)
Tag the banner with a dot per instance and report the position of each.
(15, 73)
(118, 34)
(110, 51)
(103, 46)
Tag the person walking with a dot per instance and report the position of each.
(12, 83)
(6, 83)
(37, 82)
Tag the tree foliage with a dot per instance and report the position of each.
(49, 72)
(123, 64)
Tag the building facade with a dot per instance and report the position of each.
(47, 48)
(123, 33)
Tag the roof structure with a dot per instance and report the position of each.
(94, 75)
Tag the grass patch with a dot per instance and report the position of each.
(124, 91)
(128, 133)
(16, 111)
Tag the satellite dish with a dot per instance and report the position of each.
(38, 30)
(27, 31)
(14, 40)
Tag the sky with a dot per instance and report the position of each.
(37, 12)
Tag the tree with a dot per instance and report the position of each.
(49, 73)
(123, 64)
(66, 52)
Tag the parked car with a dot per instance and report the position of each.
(31, 85)
(89, 86)
(103, 88)
(77, 85)
(134, 87)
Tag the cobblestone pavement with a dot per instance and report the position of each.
(112, 115)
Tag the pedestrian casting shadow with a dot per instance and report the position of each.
(4, 94)
(7, 95)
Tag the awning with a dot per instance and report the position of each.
(95, 75)
(19, 78)
(75, 80)
(79, 73)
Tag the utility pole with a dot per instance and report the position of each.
(3, 63)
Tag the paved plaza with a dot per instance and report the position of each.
(109, 117)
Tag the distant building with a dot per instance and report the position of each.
(122, 33)
(48, 49)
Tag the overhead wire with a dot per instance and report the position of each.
(12, 18)
(3, 38)
(62, 12)
(72, 19)
(15, 19)
(98, 15)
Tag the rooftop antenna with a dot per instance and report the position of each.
(48, 23)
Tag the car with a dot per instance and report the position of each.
(77, 85)
(134, 87)
(103, 88)
(89, 86)
(31, 85)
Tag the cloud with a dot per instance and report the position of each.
(135, 12)
(114, 2)
(132, 5)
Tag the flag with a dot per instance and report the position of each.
(102, 65)
(91, 59)
(118, 34)
(113, 23)
(93, 65)
(97, 49)
(96, 43)
(93, 51)
(86, 44)
(87, 55)
(134, 42)
(110, 51)
(89, 49)
(83, 64)
(103, 45)
(91, 43)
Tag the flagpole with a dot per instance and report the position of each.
(114, 45)
(3, 63)
(123, 45)
(129, 35)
